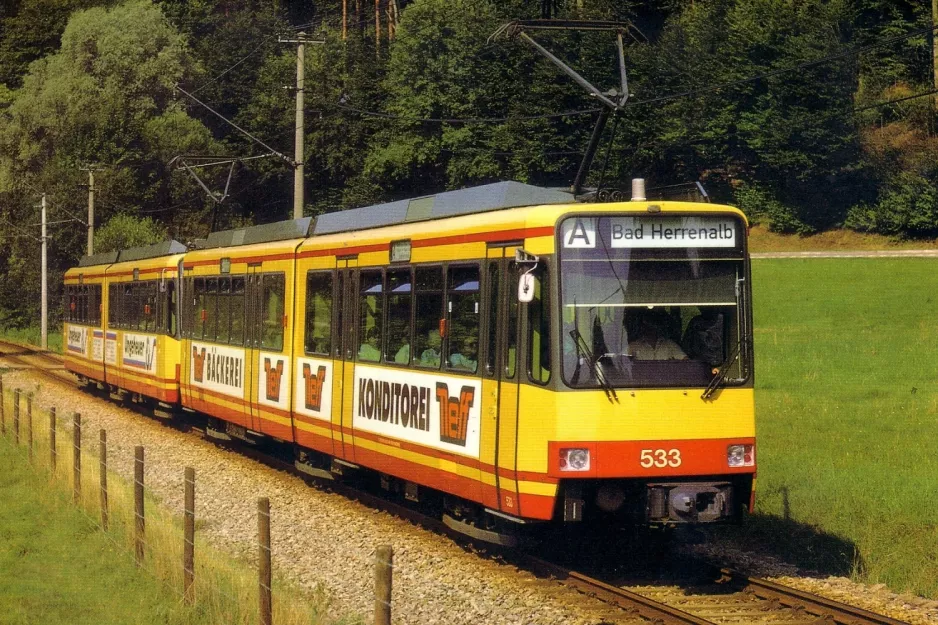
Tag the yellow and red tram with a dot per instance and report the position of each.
(530, 357)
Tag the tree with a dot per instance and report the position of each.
(124, 231)
(105, 97)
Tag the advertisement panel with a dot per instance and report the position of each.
(217, 368)
(272, 369)
(77, 340)
(313, 389)
(139, 352)
(429, 409)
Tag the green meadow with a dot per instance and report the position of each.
(847, 417)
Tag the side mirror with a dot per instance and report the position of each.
(526, 288)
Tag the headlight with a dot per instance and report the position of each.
(575, 459)
(741, 455)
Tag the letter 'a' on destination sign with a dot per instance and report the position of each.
(579, 233)
(671, 232)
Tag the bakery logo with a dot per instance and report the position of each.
(314, 386)
(198, 365)
(454, 413)
(274, 375)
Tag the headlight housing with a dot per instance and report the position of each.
(575, 459)
(741, 455)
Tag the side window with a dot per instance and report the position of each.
(397, 349)
(539, 331)
(339, 305)
(494, 300)
(236, 309)
(318, 313)
(211, 308)
(128, 307)
(428, 311)
(462, 311)
(188, 289)
(96, 305)
(369, 322)
(272, 293)
(511, 334)
(223, 307)
(170, 311)
(150, 307)
(198, 309)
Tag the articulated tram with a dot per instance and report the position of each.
(507, 350)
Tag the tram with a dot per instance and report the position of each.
(512, 352)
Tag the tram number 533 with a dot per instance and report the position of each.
(660, 458)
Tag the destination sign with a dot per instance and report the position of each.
(648, 232)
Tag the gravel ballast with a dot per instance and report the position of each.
(321, 539)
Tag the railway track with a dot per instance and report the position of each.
(719, 595)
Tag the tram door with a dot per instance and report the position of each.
(344, 348)
(500, 378)
(253, 333)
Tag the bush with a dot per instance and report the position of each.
(761, 206)
(908, 207)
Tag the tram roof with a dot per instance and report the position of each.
(480, 199)
(265, 233)
(164, 248)
(104, 258)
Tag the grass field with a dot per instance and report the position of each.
(847, 417)
(33, 336)
(57, 565)
(57, 568)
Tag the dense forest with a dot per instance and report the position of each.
(808, 114)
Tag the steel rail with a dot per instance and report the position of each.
(822, 607)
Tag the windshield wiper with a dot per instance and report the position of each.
(720, 377)
(595, 365)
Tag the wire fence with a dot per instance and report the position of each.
(181, 563)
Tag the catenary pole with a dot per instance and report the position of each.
(44, 323)
(300, 128)
(298, 195)
(90, 211)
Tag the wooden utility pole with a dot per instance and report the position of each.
(44, 287)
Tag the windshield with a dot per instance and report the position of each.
(651, 313)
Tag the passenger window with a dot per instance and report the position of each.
(369, 327)
(222, 333)
(198, 309)
(462, 307)
(539, 327)
(428, 311)
(171, 307)
(340, 303)
(318, 313)
(236, 309)
(511, 333)
(495, 300)
(272, 286)
(150, 306)
(399, 305)
(211, 308)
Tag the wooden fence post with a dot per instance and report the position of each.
(16, 416)
(384, 565)
(263, 552)
(52, 439)
(76, 455)
(188, 556)
(102, 450)
(29, 423)
(3, 410)
(139, 525)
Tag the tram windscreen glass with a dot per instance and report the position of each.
(651, 301)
